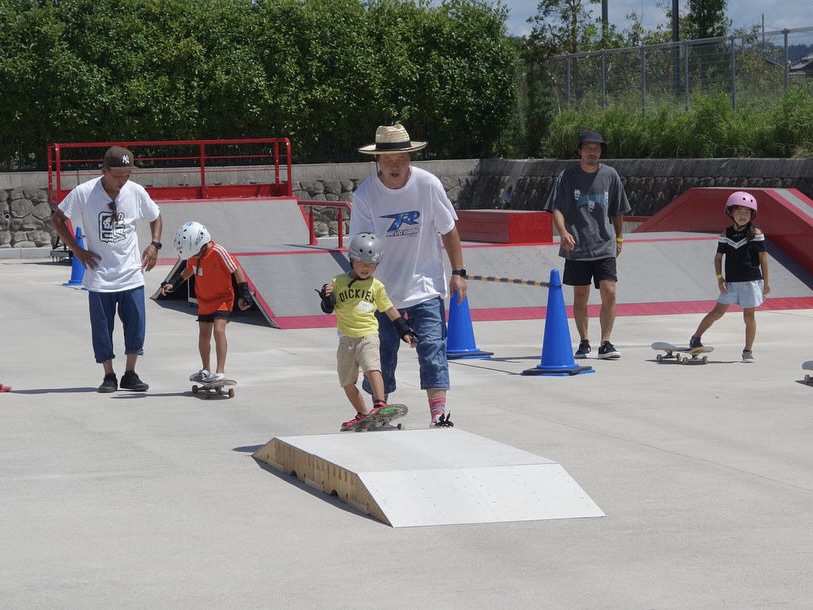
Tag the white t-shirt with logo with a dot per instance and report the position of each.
(410, 220)
(110, 235)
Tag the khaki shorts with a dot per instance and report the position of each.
(354, 353)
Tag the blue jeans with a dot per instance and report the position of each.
(132, 313)
(428, 322)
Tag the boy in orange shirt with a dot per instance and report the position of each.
(213, 267)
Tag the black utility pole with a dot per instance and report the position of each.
(676, 48)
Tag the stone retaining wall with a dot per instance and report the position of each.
(470, 184)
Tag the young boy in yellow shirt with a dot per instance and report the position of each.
(355, 296)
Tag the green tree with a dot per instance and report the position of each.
(564, 26)
(706, 19)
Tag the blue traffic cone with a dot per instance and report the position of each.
(557, 351)
(460, 339)
(77, 268)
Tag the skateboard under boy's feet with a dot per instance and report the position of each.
(381, 420)
(215, 387)
(673, 352)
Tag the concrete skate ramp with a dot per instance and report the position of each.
(237, 224)
(785, 216)
(431, 477)
(659, 273)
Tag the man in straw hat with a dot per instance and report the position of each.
(588, 204)
(408, 208)
(108, 208)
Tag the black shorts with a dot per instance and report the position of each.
(209, 318)
(579, 273)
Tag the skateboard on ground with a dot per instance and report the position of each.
(215, 387)
(808, 366)
(382, 419)
(674, 352)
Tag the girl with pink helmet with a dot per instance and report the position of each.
(745, 282)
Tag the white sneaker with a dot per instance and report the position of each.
(200, 375)
(214, 377)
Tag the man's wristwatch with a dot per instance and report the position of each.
(157, 244)
(460, 272)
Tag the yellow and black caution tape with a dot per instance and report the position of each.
(508, 280)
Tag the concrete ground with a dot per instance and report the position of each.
(153, 500)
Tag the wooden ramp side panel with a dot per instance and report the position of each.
(321, 475)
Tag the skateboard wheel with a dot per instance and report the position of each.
(677, 358)
(194, 389)
(231, 392)
(807, 378)
(659, 357)
(705, 359)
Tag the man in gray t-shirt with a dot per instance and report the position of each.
(588, 203)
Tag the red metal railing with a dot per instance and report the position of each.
(71, 163)
(339, 205)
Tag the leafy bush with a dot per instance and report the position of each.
(710, 128)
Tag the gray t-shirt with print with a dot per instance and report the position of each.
(588, 202)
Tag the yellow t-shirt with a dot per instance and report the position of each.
(356, 304)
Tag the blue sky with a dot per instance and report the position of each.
(779, 14)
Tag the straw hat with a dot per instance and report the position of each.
(391, 139)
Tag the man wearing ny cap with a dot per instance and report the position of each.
(408, 208)
(588, 203)
(107, 209)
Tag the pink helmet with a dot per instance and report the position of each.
(742, 199)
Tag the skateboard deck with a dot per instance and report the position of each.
(382, 420)
(673, 352)
(215, 387)
(808, 366)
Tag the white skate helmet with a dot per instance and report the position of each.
(742, 199)
(366, 248)
(190, 238)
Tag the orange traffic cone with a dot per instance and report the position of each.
(557, 351)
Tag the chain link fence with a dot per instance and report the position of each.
(751, 68)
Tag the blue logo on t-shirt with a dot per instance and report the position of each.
(403, 218)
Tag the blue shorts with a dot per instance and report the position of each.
(428, 321)
(745, 294)
(132, 313)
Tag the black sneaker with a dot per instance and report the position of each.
(694, 342)
(584, 349)
(607, 350)
(110, 384)
(131, 381)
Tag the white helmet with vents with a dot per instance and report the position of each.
(190, 238)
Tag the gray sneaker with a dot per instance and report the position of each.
(747, 355)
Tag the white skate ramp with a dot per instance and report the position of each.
(431, 477)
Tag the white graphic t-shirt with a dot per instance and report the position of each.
(410, 220)
(110, 233)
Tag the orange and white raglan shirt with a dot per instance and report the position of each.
(213, 279)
